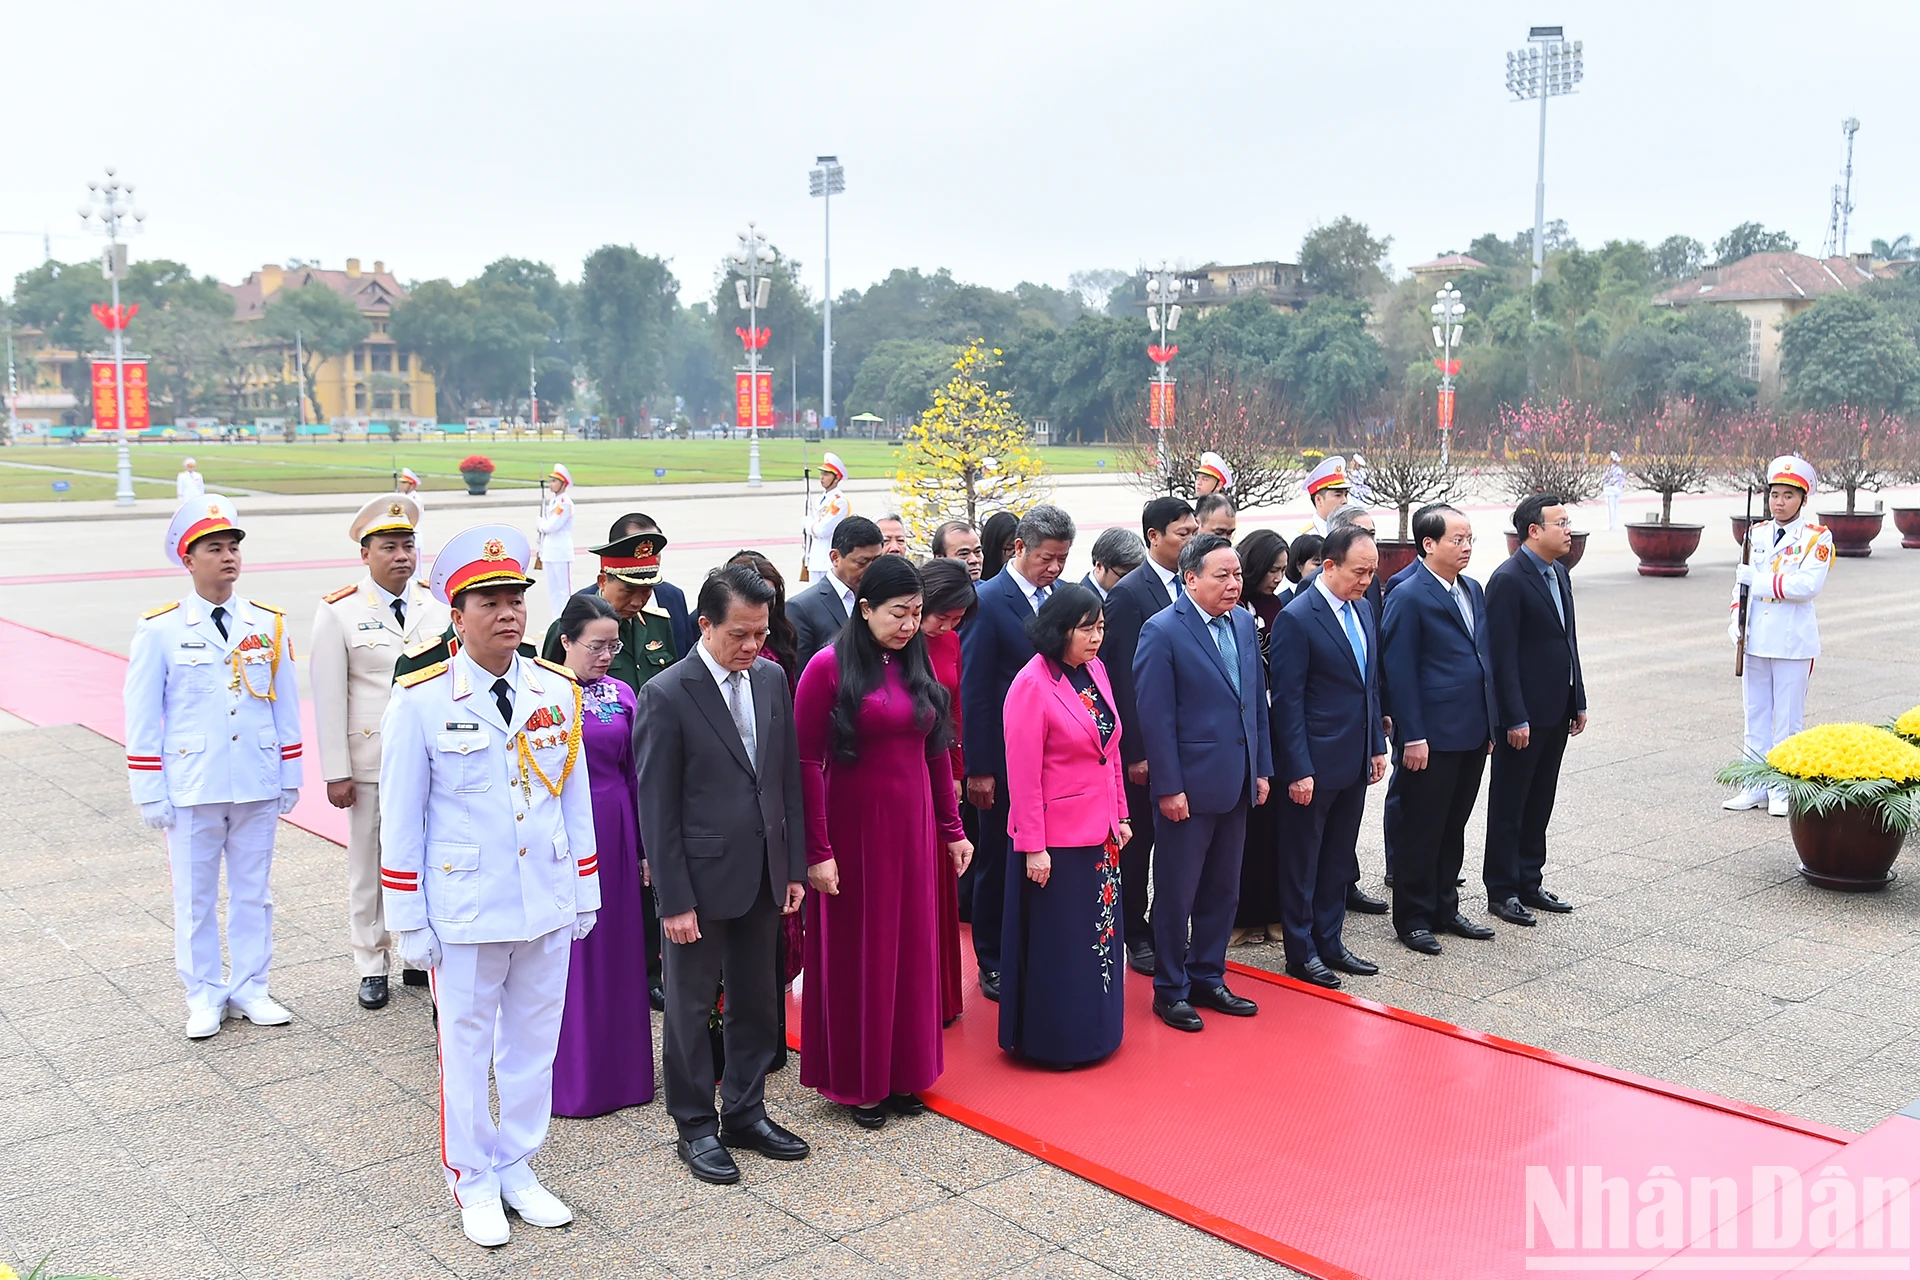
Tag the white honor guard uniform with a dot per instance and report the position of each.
(214, 755)
(1357, 480)
(829, 509)
(1788, 564)
(487, 858)
(1330, 474)
(189, 483)
(556, 539)
(410, 488)
(1613, 484)
(358, 635)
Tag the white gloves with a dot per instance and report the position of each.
(157, 814)
(417, 948)
(289, 798)
(583, 924)
(1743, 575)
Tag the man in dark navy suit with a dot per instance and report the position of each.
(1541, 700)
(1166, 524)
(1201, 707)
(1329, 748)
(1440, 697)
(993, 648)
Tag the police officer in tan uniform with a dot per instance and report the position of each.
(358, 632)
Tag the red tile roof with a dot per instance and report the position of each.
(1763, 276)
(374, 292)
(1448, 262)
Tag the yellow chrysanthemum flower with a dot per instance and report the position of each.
(1847, 751)
(1908, 725)
(8, 1273)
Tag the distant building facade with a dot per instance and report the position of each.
(1432, 275)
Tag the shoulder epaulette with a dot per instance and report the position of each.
(421, 676)
(423, 647)
(165, 608)
(654, 610)
(1816, 528)
(334, 597)
(558, 669)
(270, 608)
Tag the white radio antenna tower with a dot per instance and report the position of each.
(1842, 207)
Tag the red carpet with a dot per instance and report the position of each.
(1345, 1138)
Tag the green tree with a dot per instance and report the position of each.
(1679, 258)
(1902, 249)
(1849, 349)
(1696, 355)
(1333, 366)
(628, 302)
(1750, 238)
(480, 340)
(899, 378)
(323, 322)
(1343, 258)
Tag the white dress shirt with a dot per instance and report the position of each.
(1454, 589)
(1027, 589)
(1167, 579)
(1320, 581)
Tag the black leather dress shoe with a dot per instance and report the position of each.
(768, 1138)
(1511, 911)
(905, 1104)
(1421, 940)
(708, 1160)
(373, 992)
(1177, 1014)
(1544, 900)
(1347, 962)
(1224, 1001)
(1140, 958)
(869, 1117)
(990, 984)
(1360, 900)
(657, 997)
(413, 977)
(1465, 928)
(1314, 971)
(1388, 879)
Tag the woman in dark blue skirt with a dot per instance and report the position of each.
(1063, 970)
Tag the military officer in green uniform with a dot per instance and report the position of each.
(629, 570)
(439, 649)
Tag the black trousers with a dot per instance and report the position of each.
(1136, 867)
(1390, 815)
(1429, 833)
(990, 879)
(744, 950)
(1317, 863)
(1519, 806)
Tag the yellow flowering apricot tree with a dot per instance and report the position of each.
(969, 454)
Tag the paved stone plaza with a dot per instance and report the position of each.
(1696, 955)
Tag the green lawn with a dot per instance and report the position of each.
(276, 467)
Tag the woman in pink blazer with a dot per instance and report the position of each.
(1062, 968)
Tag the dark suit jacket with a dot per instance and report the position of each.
(1201, 738)
(1439, 677)
(1135, 598)
(993, 648)
(817, 614)
(1091, 585)
(715, 826)
(1326, 711)
(1536, 661)
(674, 601)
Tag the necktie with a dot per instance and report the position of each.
(1460, 603)
(1354, 637)
(399, 608)
(1179, 588)
(1553, 589)
(1229, 647)
(737, 706)
(1778, 533)
(220, 620)
(1040, 597)
(503, 699)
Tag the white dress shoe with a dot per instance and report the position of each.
(202, 1023)
(1752, 798)
(538, 1206)
(484, 1222)
(1777, 805)
(263, 1012)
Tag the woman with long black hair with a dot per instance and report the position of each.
(996, 542)
(882, 823)
(1263, 570)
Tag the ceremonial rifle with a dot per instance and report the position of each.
(536, 527)
(1746, 557)
(806, 522)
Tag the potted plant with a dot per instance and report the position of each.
(1852, 449)
(1907, 519)
(1548, 448)
(1907, 726)
(476, 469)
(1853, 795)
(1670, 459)
(1405, 471)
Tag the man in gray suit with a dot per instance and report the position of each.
(822, 609)
(721, 821)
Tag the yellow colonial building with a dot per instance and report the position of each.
(376, 381)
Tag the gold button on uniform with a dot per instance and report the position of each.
(446, 866)
(523, 853)
(519, 817)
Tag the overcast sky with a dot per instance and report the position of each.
(1006, 141)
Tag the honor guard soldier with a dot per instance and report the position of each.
(829, 509)
(1213, 475)
(489, 872)
(213, 751)
(358, 632)
(1328, 489)
(410, 488)
(556, 537)
(1787, 562)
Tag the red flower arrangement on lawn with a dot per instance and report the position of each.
(477, 462)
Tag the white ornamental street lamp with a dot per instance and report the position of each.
(824, 183)
(1163, 316)
(105, 213)
(754, 290)
(1549, 67)
(1448, 315)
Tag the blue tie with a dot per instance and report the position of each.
(1229, 647)
(1353, 636)
(1179, 589)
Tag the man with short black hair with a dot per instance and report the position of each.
(1217, 515)
(822, 609)
(958, 540)
(1116, 553)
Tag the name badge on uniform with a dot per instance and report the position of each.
(193, 644)
(455, 726)
(372, 626)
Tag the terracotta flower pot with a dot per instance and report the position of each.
(1572, 557)
(1740, 526)
(1395, 556)
(1853, 535)
(1663, 548)
(1845, 848)
(1907, 521)
(476, 482)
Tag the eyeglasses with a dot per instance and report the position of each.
(1561, 524)
(611, 648)
(1460, 540)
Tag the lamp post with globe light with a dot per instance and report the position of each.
(1448, 313)
(105, 212)
(1163, 316)
(754, 290)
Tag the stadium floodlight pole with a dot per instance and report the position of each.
(1448, 312)
(754, 290)
(1548, 68)
(106, 210)
(826, 182)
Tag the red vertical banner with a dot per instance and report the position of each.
(106, 416)
(742, 398)
(139, 412)
(1446, 408)
(1160, 404)
(763, 399)
(105, 392)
